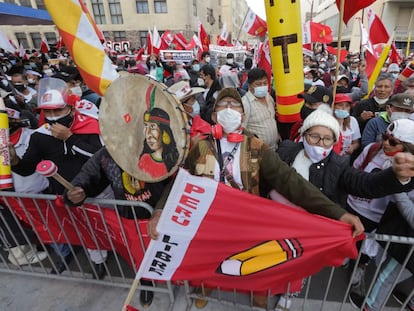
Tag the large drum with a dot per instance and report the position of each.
(144, 128)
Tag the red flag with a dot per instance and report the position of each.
(352, 7)
(254, 25)
(264, 60)
(316, 32)
(180, 41)
(44, 47)
(334, 51)
(242, 250)
(60, 43)
(203, 37)
(166, 40)
(223, 36)
(150, 49)
(139, 54)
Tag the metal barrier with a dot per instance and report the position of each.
(30, 219)
(45, 219)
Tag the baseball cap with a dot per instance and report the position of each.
(403, 130)
(51, 99)
(342, 98)
(316, 94)
(340, 77)
(402, 100)
(183, 90)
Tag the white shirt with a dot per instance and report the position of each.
(233, 166)
(350, 134)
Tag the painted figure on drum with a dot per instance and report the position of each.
(160, 153)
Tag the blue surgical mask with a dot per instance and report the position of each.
(196, 67)
(341, 114)
(196, 109)
(260, 91)
(308, 81)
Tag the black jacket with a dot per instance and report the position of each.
(336, 178)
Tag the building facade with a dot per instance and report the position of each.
(130, 20)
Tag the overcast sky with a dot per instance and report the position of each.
(258, 7)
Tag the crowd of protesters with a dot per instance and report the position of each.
(345, 154)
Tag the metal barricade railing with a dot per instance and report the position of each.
(30, 219)
(46, 220)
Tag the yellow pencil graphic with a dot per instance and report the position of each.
(261, 257)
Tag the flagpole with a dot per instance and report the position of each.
(241, 26)
(338, 53)
(361, 51)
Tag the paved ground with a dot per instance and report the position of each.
(33, 293)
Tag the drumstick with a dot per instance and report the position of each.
(49, 169)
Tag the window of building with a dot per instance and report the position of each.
(107, 35)
(98, 11)
(195, 8)
(36, 39)
(22, 39)
(115, 11)
(40, 5)
(25, 3)
(143, 38)
(119, 36)
(50, 37)
(142, 6)
(160, 6)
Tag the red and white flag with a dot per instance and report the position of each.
(5, 43)
(210, 225)
(44, 47)
(22, 51)
(203, 37)
(254, 25)
(265, 61)
(83, 44)
(180, 41)
(224, 35)
(150, 49)
(316, 32)
(156, 41)
(352, 7)
(166, 40)
(60, 44)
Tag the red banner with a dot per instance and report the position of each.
(212, 233)
(52, 221)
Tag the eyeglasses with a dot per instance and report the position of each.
(226, 103)
(391, 140)
(314, 139)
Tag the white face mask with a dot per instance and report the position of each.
(395, 75)
(230, 61)
(196, 109)
(229, 119)
(207, 59)
(200, 82)
(380, 101)
(396, 115)
(76, 90)
(31, 81)
(260, 91)
(316, 153)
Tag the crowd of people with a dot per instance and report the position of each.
(350, 157)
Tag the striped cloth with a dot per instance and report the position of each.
(83, 43)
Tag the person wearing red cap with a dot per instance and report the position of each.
(348, 125)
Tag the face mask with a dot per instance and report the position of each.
(20, 87)
(380, 101)
(229, 119)
(200, 82)
(48, 72)
(355, 72)
(33, 65)
(196, 67)
(395, 75)
(196, 109)
(307, 81)
(341, 114)
(260, 91)
(207, 59)
(341, 89)
(316, 153)
(398, 116)
(76, 90)
(230, 61)
(305, 111)
(65, 120)
(31, 81)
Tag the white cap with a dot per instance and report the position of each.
(403, 130)
(51, 99)
(183, 90)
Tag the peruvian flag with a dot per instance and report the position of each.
(316, 32)
(377, 34)
(44, 47)
(180, 41)
(352, 7)
(195, 44)
(254, 25)
(332, 50)
(224, 35)
(156, 40)
(150, 49)
(60, 44)
(203, 37)
(139, 54)
(200, 227)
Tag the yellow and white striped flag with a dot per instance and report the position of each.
(83, 44)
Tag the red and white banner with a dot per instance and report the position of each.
(254, 25)
(180, 41)
(82, 225)
(212, 233)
